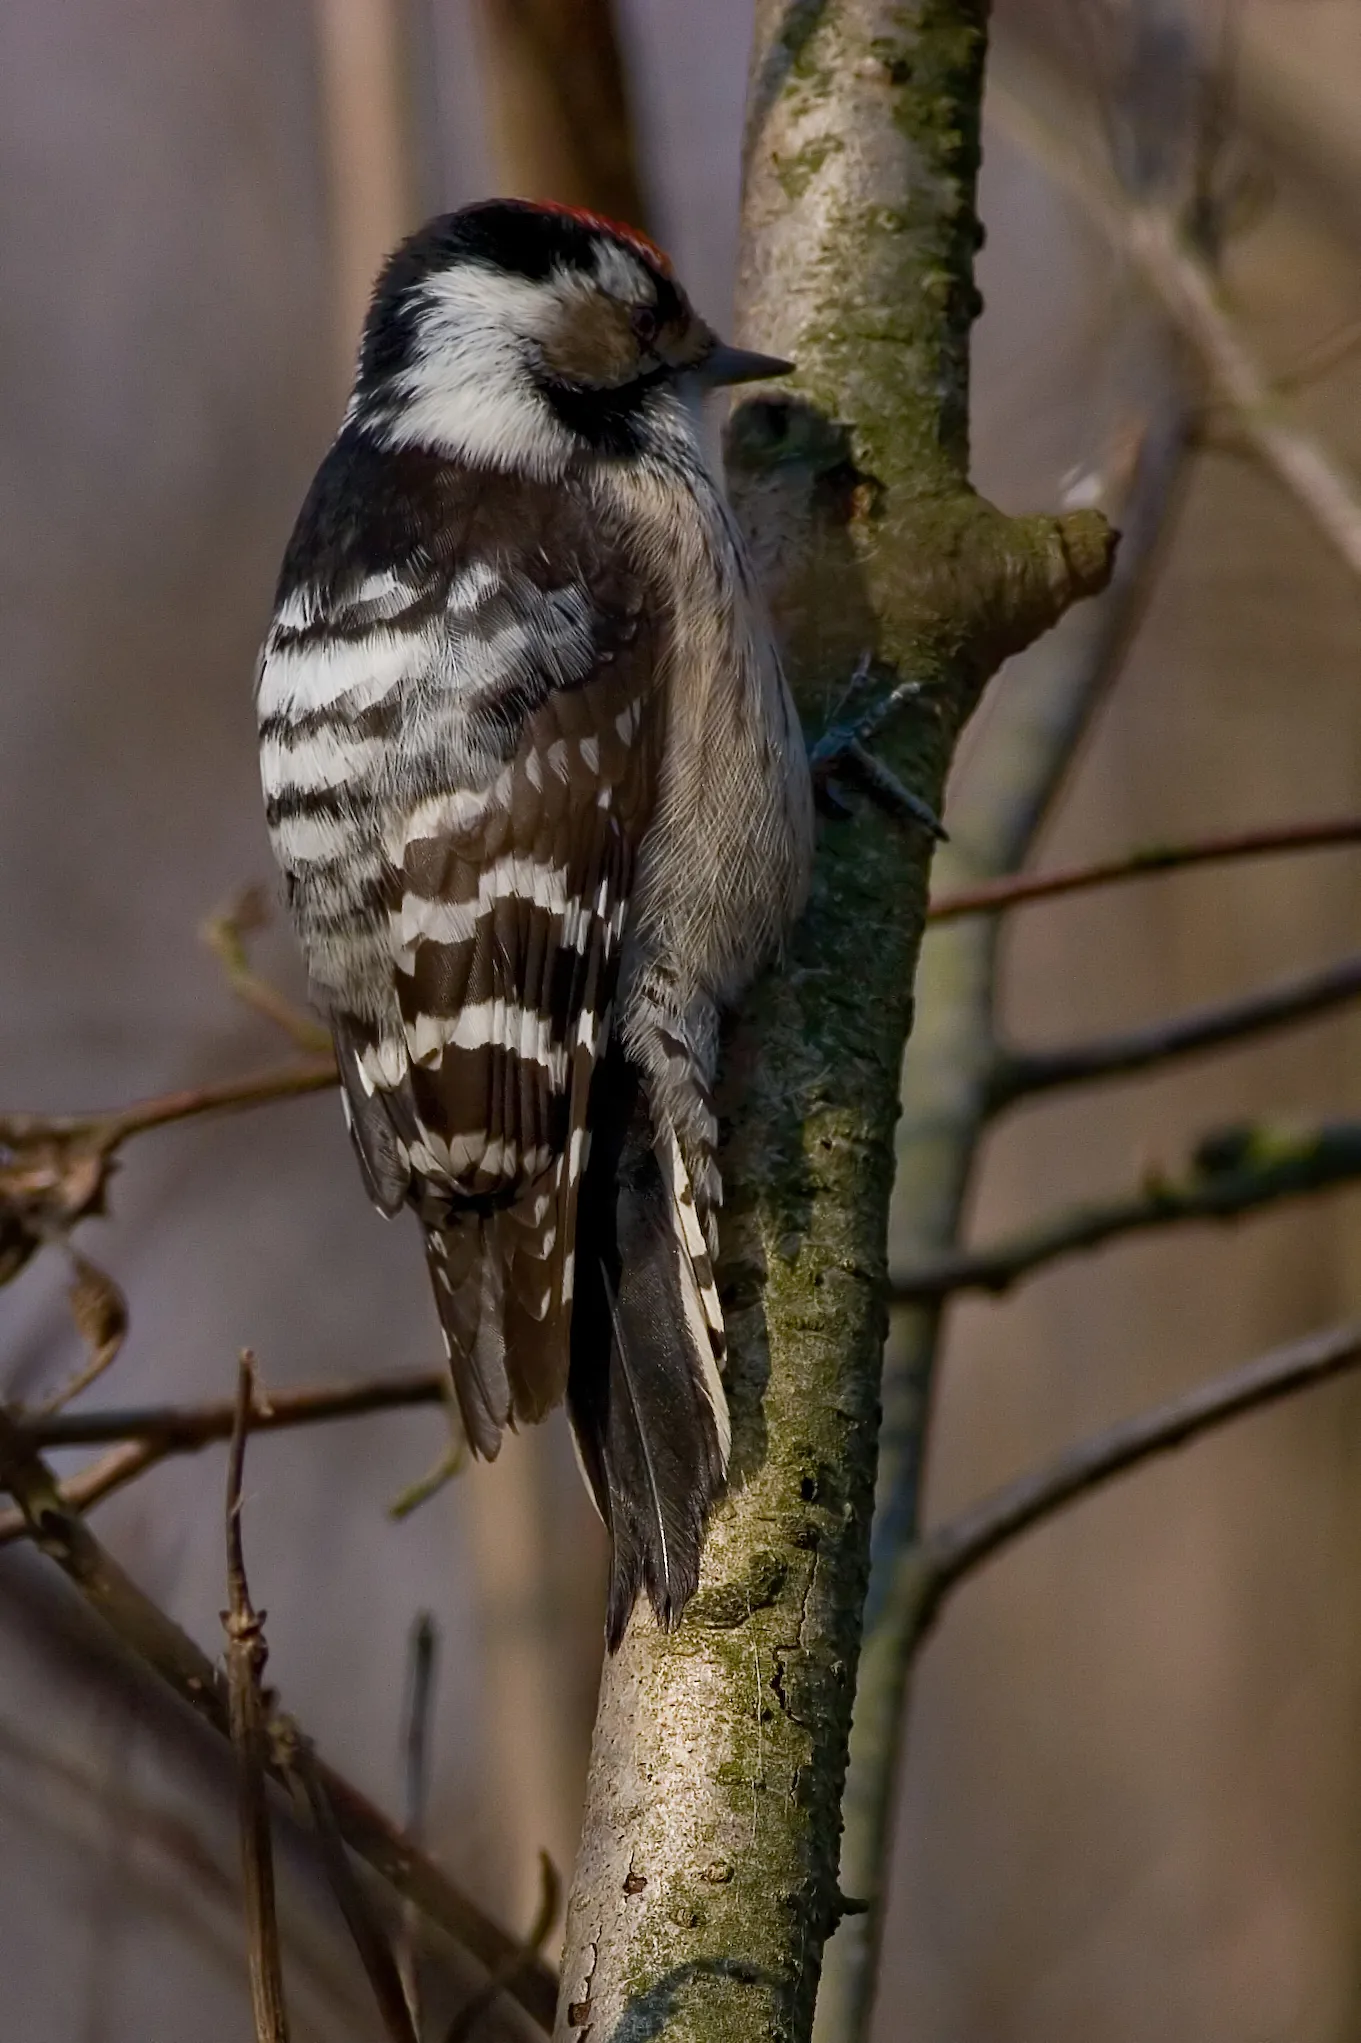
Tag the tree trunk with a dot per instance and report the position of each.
(707, 1881)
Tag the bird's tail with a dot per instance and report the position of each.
(498, 1276)
(644, 1390)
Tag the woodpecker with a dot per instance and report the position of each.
(542, 806)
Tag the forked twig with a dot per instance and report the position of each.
(153, 1432)
(225, 935)
(246, 1656)
(159, 1643)
(1185, 286)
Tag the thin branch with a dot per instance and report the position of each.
(955, 1549)
(246, 1657)
(1188, 292)
(420, 1698)
(160, 1644)
(1015, 890)
(154, 1432)
(225, 935)
(182, 1428)
(1232, 1173)
(1021, 1074)
(112, 1471)
(370, 1940)
(318, 1074)
(55, 1169)
(550, 1901)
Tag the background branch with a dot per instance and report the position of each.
(952, 1551)
(246, 1656)
(1021, 1074)
(560, 126)
(422, 1660)
(929, 1568)
(226, 936)
(158, 1642)
(370, 1940)
(151, 1433)
(55, 1169)
(1034, 729)
(1017, 890)
(1189, 293)
(1232, 1172)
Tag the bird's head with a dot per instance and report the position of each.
(521, 335)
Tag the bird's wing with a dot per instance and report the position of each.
(506, 796)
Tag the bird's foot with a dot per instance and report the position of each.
(842, 752)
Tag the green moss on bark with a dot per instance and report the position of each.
(725, 1744)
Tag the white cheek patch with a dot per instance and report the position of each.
(469, 391)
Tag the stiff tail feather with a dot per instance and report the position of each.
(644, 1392)
(496, 1273)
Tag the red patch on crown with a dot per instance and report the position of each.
(632, 237)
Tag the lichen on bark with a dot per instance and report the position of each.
(707, 1881)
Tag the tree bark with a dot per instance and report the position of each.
(707, 1881)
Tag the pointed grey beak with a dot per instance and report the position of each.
(724, 365)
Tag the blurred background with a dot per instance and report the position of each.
(1131, 1806)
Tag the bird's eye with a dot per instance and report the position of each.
(644, 322)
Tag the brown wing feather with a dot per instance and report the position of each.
(507, 1024)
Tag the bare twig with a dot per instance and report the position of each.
(1023, 1073)
(113, 1471)
(182, 1428)
(550, 1900)
(1232, 1173)
(225, 935)
(1188, 292)
(955, 1549)
(1015, 890)
(370, 1940)
(416, 1753)
(246, 1656)
(261, 1090)
(160, 1644)
(55, 1169)
(154, 1432)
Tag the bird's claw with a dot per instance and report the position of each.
(843, 750)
